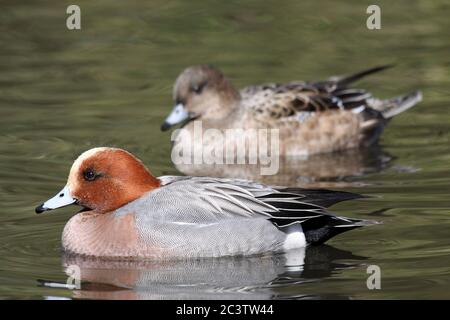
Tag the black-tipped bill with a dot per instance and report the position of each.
(61, 199)
(178, 115)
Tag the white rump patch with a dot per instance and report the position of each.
(295, 240)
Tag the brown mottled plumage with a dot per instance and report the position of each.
(313, 117)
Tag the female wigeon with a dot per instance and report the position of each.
(129, 213)
(312, 117)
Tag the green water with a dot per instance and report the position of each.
(62, 92)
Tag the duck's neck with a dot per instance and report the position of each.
(229, 96)
(136, 182)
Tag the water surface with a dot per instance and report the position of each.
(62, 92)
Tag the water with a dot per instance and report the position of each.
(63, 92)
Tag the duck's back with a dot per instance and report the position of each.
(188, 217)
(323, 116)
(209, 217)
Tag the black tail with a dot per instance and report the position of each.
(323, 197)
(392, 107)
(320, 229)
(304, 208)
(345, 80)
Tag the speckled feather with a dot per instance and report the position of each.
(312, 117)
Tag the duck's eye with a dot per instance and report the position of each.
(89, 175)
(198, 88)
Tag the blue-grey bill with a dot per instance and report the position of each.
(61, 199)
(178, 115)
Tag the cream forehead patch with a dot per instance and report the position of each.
(86, 155)
(77, 163)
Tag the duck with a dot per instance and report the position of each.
(127, 213)
(312, 117)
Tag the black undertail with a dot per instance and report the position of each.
(305, 210)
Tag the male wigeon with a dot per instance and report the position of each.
(312, 117)
(129, 213)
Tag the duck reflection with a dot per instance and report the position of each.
(322, 170)
(218, 278)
